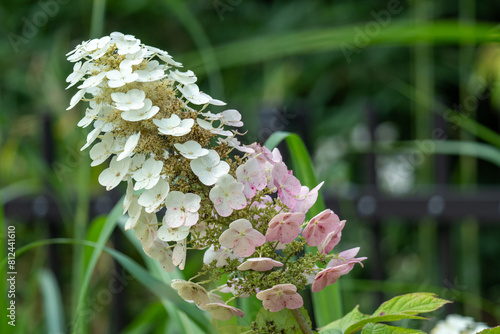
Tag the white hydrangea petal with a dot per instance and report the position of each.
(167, 233)
(152, 198)
(76, 98)
(130, 145)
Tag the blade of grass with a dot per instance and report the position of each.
(104, 235)
(97, 19)
(327, 303)
(200, 38)
(158, 288)
(146, 320)
(277, 45)
(452, 116)
(52, 302)
(184, 323)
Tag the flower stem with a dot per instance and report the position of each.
(301, 321)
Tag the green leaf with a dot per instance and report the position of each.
(146, 320)
(158, 288)
(327, 303)
(343, 323)
(52, 302)
(412, 303)
(184, 323)
(398, 308)
(104, 234)
(256, 49)
(385, 329)
(282, 320)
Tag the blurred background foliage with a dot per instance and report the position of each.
(318, 68)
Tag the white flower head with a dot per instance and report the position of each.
(153, 71)
(146, 230)
(223, 255)
(179, 254)
(191, 150)
(115, 173)
(182, 209)
(167, 233)
(185, 78)
(118, 78)
(130, 145)
(152, 198)
(192, 93)
(133, 99)
(148, 175)
(160, 252)
(227, 195)
(174, 126)
(231, 117)
(101, 151)
(146, 112)
(209, 168)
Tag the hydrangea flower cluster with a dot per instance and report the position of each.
(192, 185)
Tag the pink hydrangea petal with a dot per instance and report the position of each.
(243, 247)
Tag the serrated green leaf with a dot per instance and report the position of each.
(412, 303)
(398, 308)
(372, 328)
(343, 323)
(385, 318)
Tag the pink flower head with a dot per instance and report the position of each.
(284, 227)
(336, 268)
(347, 256)
(279, 297)
(288, 185)
(306, 198)
(227, 195)
(319, 227)
(332, 239)
(222, 311)
(252, 177)
(242, 238)
(259, 264)
(263, 154)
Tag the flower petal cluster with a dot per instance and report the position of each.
(241, 238)
(192, 183)
(279, 297)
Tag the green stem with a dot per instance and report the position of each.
(301, 321)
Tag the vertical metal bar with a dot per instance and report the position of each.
(371, 181)
(48, 151)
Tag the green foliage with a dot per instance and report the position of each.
(372, 328)
(273, 322)
(398, 308)
(52, 302)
